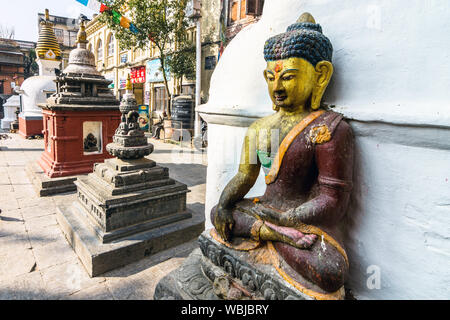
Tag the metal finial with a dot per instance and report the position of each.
(82, 36)
(306, 17)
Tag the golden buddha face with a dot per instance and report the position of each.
(291, 82)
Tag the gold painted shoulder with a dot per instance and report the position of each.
(320, 134)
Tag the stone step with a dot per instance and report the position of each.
(98, 257)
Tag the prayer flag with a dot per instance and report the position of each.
(103, 8)
(124, 22)
(83, 2)
(133, 28)
(98, 6)
(116, 16)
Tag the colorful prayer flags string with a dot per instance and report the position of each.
(97, 6)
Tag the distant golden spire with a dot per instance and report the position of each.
(129, 86)
(47, 46)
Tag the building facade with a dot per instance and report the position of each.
(11, 66)
(220, 21)
(116, 63)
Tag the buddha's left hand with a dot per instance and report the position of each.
(289, 218)
(270, 215)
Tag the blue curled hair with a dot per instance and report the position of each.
(301, 40)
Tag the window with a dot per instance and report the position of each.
(234, 11)
(241, 9)
(72, 38)
(111, 44)
(254, 7)
(124, 58)
(60, 20)
(161, 99)
(59, 33)
(99, 50)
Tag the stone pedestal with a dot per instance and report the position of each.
(45, 186)
(126, 210)
(217, 272)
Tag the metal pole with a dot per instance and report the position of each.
(198, 78)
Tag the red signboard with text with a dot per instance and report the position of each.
(138, 75)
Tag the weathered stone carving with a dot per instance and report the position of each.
(90, 143)
(129, 141)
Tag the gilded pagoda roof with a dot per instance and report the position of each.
(47, 46)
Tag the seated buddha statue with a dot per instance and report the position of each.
(306, 153)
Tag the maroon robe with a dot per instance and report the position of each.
(317, 179)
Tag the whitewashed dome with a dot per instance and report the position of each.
(34, 91)
(82, 60)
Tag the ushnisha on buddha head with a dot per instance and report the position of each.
(298, 66)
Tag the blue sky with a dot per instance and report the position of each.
(22, 14)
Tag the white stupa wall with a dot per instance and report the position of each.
(391, 80)
(34, 91)
(47, 67)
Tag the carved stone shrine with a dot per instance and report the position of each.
(129, 207)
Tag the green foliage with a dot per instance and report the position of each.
(182, 61)
(30, 65)
(162, 22)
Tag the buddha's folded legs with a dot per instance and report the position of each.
(320, 263)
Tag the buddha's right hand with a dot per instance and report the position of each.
(223, 221)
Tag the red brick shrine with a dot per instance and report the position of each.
(80, 118)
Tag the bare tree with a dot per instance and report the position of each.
(7, 32)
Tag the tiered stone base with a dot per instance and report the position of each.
(45, 186)
(98, 257)
(127, 210)
(211, 271)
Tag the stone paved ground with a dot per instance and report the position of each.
(36, 262)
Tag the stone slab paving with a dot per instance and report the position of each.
(36, 261)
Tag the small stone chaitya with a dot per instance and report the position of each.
(129, 207)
